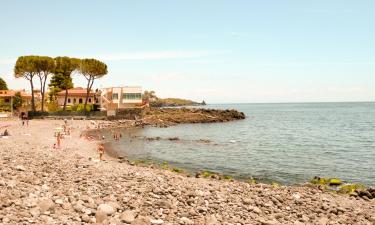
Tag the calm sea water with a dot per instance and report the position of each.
(287, 143)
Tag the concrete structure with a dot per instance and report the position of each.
(76, 96)
(121, 97)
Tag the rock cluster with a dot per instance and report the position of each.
(39, 185)
(169, 116)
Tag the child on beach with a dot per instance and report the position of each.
(101, 151)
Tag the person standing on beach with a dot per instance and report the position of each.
(101, 151)
(58, 139)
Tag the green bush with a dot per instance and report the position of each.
(80, 107)
(52, 106)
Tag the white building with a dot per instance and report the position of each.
(121, 97)
(76, 96)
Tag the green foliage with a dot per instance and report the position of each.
(17, 100)
(155, 101)
(3, 84)
(207, 174)
(165, 165)
(148, 95)
(91, 69)
(177, 170)
(139, 162)
(62, 78)
(335, 181)
(53, 106)
(275, 184)
(336, 185)
(26, 67)
(44, 66)
(350, 188)
(227, 177)
(252, 181)
(320, 180)
(325, 181)
(80, 108)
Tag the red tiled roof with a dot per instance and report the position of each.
(11, 93)
(76, 92)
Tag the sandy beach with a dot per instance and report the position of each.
(42, 185)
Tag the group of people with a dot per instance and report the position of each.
(59, 134)
(117, 136)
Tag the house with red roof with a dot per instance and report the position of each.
(77, 96)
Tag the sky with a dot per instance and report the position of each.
(220, 51)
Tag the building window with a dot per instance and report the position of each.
(80, 101)
(90, 100)
(68, 100)
(6, 100)
(115, 96)
(74, 101)
(132, 96)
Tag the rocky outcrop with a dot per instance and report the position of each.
(172, 116)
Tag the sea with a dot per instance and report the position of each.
(288, 143)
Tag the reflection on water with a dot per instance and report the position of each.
(288, 143)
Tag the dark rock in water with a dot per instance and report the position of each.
(153, 138)
(174, 138)
(204, 141)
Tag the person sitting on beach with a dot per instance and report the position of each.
(101, 151)
(6, 133)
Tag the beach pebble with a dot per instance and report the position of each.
(127, 217)
(106, 208)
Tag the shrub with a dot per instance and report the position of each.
(80, 107)
(53, 106)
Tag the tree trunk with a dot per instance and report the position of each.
(32, 95)
(42, 86)
(65, 99)
(44, 90)
(88, 91)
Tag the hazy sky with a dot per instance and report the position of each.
(220, 51)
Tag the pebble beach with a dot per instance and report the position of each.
(43, 185)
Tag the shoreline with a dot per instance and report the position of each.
(197, 172)
(42, 185)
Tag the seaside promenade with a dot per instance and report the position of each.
(41, 185)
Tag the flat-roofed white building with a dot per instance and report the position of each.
(121, 97)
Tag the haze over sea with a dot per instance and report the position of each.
(288, 143)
